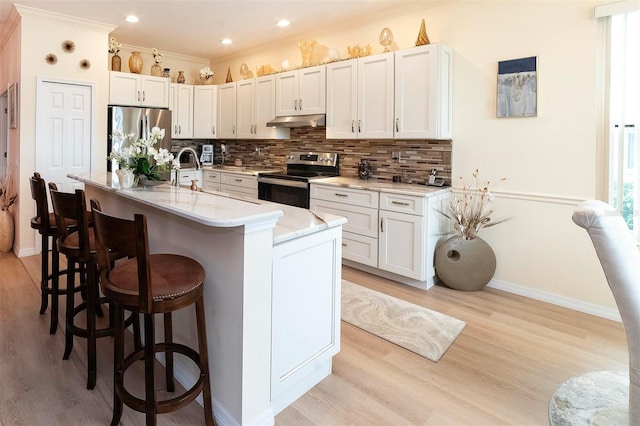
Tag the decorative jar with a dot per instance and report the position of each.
(466, 265)
(126, 178)
(165, 73)
(116, 63)
(180, 78)
(135, 63)
(7, 230)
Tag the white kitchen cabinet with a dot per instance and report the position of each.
(211, 180)
(184, 177)
(389, 234)
(239, 184)
(301, 92)
(138, 90)
(181, 97)
(255, 106)
(423, 92)
(205, 111)
(360, 98)
(227, 111)
(245, 106)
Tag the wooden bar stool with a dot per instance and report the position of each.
(150, 284)
(46, 225)
(78, 245)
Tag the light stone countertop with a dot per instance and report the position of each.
(220, 209)
(243, 170)
(383, 186)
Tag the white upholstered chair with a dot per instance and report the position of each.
(620, 261)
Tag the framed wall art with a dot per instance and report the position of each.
(13, 106)
(518, 88)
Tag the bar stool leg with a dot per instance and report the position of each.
(149, 376)
(55, 286)
(168, 338)
(92, 300)
(204, 362)
(44, 303)
(68, 344)
(118, 361)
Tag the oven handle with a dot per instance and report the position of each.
(283, 182)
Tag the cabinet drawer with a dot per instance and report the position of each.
(211, 177)
(239, 190)
(359, 248)
(353, 197)
(403, 203)
(360, 220)
(239, 180)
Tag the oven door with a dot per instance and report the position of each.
(284, 191)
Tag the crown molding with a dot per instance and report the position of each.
(167, 54)
(9, 26)
(32, 12)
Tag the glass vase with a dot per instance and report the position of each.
(135, 63)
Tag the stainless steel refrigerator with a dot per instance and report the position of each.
(139, 122)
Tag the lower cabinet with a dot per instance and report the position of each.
(239, 184)
(211, 180)
(391, 232)
(184, 177)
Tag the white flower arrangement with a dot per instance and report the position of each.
(114, 46)
(138, 155)
(157, 56)
(206, 73)
(470, 211)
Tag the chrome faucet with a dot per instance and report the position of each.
(195, 155)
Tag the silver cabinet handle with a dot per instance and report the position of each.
(397, 124)
(300, 104)
(175, 129)
(399, 203)
(340, 195)
(381, 225)
(233, 129)
(295, 104)
(138, 96)
(359, 128)
(179, 129)
(238, 180)
(213, 130)
(143, 96)
(353, 130)
(344, 244)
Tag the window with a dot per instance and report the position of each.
(624, 116)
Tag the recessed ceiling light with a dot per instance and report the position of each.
(132, 19)
(283, 23)
(226, 41)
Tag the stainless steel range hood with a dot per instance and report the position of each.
(312, 120)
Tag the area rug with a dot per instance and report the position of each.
(597, 398)
(418, 329)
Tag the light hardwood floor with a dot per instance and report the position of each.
(502, 369)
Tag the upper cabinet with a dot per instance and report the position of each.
(423, 92)
(138, 90)
(181, 97)
(360, 98)
(245, 94)
(404, 95)
(227, 111)
(301, 92)
(205, 111)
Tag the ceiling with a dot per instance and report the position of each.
(195, 28)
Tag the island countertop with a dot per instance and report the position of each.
(220, 209)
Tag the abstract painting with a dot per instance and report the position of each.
(517, 87)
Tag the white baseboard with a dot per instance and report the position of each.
(555, 299)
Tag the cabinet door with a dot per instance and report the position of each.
(155, 91)
(244, 112)
(312, 92)
(287, 93)
(205, 111)
(375, 97)
(184, 111)
(265, 107)
(401, 244)
(423, 92)
(124, 88)
(227, 111)
(342, 99)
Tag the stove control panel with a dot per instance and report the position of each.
(313, 158)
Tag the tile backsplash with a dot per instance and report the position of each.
(418, 157)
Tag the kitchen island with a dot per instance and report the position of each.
(272, 290)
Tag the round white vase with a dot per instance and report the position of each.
(126, 178)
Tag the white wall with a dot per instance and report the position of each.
(549, 161)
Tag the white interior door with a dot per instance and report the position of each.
(63, 132)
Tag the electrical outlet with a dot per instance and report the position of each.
(395, 155)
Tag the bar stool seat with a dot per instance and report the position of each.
(151, 284)
(45, 223)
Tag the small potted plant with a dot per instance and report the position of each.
(206, 75)
(114, 48)
(156, 69)
(465, 261)
(7, 199)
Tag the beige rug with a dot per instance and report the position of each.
(420, 330)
